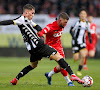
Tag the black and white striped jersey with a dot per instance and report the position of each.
(28, 32)
(79, 29)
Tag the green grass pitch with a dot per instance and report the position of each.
(35, 80)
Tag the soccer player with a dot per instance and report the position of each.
(53, 32)
(90, 46)
(35, 45)
(78, 39)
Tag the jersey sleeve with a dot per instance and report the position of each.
(44, 31)
(18, 21)
(33, 24)
(6, 22)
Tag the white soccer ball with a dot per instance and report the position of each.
(88, 81)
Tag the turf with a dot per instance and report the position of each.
(35, 80)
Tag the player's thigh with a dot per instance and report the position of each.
(91, 53)
(34, 64)
(60, 50)
(76, 56)
(56, 57)
(83, 52)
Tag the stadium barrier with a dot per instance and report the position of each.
(22, 52)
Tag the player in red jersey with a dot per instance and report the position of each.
(53, 32)
(91, 47)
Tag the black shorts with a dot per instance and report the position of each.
(43, 51)
(77, 47)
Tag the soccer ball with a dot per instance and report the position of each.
(88, 81)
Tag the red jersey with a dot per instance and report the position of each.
(53, 36)
(93, 37)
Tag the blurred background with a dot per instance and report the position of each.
(11, 42)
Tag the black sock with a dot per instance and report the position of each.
(65, 66)
(24, 72)
(80, 67)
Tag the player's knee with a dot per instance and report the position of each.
(58, 67)
(92, 55)
(76, 58)
(83, 55)
(34, 65)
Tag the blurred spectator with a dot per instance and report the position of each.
(52, 7)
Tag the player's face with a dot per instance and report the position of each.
(30, 14)
(63, 22)
(83, 15)
(90, 18)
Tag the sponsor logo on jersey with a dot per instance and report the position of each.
(58, 34)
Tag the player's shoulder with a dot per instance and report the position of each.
(87, 22)
(93, 24)
(50, 26)
(19, 20)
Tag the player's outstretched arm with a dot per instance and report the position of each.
(89, 35)
(72, 32)
(38, 28)
(6, 22)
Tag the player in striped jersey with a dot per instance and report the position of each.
(35, 45)
(78, 39)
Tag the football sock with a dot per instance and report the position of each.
(24, 72)
(51, 73)
(65, 66)
(85, 61)
(80, 67)
(67, 79)
(55, 70)
(65, 74)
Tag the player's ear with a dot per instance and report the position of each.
(59, 20)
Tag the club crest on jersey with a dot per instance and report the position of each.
(58, 34)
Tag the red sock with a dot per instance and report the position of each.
(85, 62)
(55, 70)
(64, 72)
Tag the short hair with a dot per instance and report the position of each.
(28, 6)
(82, 10)
(63, 15)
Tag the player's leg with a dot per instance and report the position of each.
(91, 53)
(27, 69)
(60, 60)
(76, 56)
(33, 64)
(63, 72)
(59, 69)
(85, 64)
(24, 72)
(83, 54)
(75, 51)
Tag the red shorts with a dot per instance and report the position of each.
(91, 47)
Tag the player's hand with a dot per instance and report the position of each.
(42, 37)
